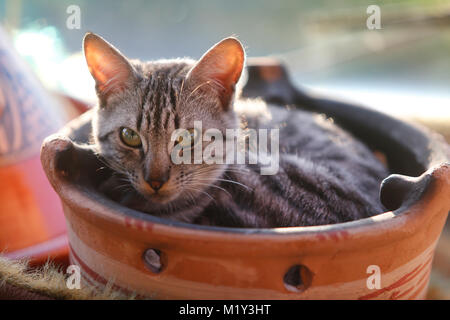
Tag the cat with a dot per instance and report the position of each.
(325, 175)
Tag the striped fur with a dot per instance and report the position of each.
(326, 175)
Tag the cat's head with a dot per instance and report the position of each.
(141, 104)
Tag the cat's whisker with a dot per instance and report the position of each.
(213, 186)
(113, 167)
(203, 192)
(188, 193)
(191, 197)
(237, 171)
(235, 182)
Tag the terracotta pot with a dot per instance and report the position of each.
(32, 224)
(109, 241)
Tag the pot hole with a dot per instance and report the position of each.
(152, 260)
(298, 278)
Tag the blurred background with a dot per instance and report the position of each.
(325, 43)
(402, 69)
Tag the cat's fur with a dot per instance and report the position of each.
(325, 175)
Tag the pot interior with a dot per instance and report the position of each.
(409, 150)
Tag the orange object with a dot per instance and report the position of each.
(162, 259)
(31, 221)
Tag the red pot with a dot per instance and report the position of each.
(31, 220)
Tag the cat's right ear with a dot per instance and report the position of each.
(111, 71)
(220, 68)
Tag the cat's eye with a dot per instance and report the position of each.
(130, 138)
(188, 139)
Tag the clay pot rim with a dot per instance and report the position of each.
(119, 210)
(97, 207)
(424, 150)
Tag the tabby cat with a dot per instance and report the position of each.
(325, 175)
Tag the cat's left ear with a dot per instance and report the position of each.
(220, 68)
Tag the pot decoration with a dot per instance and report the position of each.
(31, 220)
(162, 259)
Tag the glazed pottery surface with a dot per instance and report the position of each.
(113, 243)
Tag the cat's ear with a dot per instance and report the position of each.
(220, 68)
(110, 69)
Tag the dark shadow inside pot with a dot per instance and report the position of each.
(409, 150)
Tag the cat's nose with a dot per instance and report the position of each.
(156, 177)
(156, 184)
